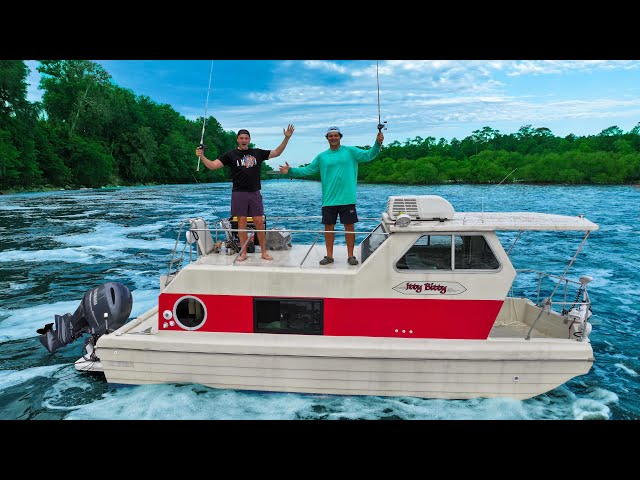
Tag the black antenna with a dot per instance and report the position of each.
(381, 125)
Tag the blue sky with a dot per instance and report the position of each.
(438, 98)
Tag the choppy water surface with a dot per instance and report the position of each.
(55, 246)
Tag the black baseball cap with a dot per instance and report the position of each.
(243, 130)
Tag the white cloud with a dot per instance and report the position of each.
(547, 67)
(323, 65)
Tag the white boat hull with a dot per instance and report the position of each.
(425, 313)
(426, 368)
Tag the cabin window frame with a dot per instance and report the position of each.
(283, 331)
(202, 305)
(487, 243)
(452, 268)
(385, 237)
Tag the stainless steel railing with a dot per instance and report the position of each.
(542, 275)
(176, 262)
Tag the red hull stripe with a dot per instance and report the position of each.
(424, 318)
(368, 317)
(225, 313)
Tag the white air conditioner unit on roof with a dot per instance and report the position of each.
(420, 207)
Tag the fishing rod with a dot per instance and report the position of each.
(204, 119)
(507, 176)
(381, 125)
(219, 219)
(514, 242)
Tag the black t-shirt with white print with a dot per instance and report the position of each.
(245, 167)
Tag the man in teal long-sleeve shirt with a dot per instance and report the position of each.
(338, 167)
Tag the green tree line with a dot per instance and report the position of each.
(530, 155)
(89, 132)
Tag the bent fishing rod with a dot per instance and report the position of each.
(204, 119)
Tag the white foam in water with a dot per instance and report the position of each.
(138, 203)
(120, 230)
(67, 255)
(177, 402)
(9, 378)
(604, 396)
(610, 356)
(23, 322)
(89, 213)
(18, 286)
(601, 278)
(13, 208)
(586, 409)
(595, 407)
(67, 392)
(112, 237)
(142, 279)
(106, 241)
(195, 402)
(474, 409)
(622, 366)
(33, 210)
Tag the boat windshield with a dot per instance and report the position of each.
(372, 242)
(434, 252)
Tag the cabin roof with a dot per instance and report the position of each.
(490, 221)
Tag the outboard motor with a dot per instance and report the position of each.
(102, 310)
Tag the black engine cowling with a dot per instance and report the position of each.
(102, 310)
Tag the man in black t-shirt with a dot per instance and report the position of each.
(246, 199)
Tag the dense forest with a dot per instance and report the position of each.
(89, 132)
(531, 155)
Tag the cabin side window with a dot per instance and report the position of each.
(372, 242)
(430, 252)
(472, 252)
(288, 315)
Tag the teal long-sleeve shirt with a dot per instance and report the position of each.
(338, 172)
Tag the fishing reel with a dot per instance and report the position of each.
(381, 126)
(202, 146)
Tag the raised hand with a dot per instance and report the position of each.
(380, 138)
(289, 131)
(285, 168)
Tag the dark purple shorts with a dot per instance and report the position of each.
(348, 214)
(246, 204)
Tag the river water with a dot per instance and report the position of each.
(55, 246)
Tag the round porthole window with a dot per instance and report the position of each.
(190, 313)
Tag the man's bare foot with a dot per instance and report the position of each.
(266, 256)
(242, 257)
